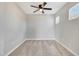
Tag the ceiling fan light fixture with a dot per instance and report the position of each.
(40, 10)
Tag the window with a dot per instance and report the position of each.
(57, 20)
(74, 12)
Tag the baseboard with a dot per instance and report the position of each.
(67, 48)
(42, 39)
(15, 48)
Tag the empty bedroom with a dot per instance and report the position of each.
(39, 28)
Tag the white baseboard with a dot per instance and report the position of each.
(15, 48)
(41, 39)
(67, 48)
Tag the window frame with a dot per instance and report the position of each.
(71, 17)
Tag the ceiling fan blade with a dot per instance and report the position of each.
(43, 11)
(34, 6)
(36, 10)
(44, 3)
(47, 8)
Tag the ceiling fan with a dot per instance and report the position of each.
(41, 7)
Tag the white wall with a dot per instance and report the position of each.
(40, 26)
(67, 32)
(12, 27)
(2, 16)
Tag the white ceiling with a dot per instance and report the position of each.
(29, 10)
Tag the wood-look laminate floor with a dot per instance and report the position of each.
(40, 48)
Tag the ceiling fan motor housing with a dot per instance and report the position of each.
(40, 6)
